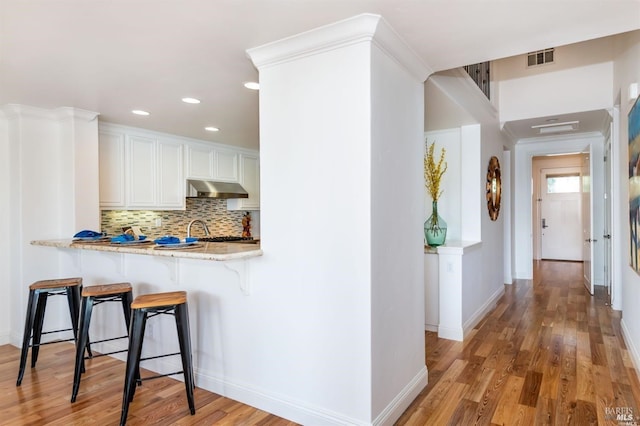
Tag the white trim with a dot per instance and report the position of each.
(5, 338)
(366, 27)
(451, 333)
(401, 402)
(631, 347)
(484, 310)
(280, 405)
(104, 127)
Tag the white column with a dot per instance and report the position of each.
(341, 143)
(54, 188)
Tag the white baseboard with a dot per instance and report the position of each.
(633, 350)
(5, 338)
(431, 327)
(281, 405)
(451, 333)
(401, 402)
(482, 312)
(459, 333)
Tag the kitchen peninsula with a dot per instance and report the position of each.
(204, 251)
(217, 277)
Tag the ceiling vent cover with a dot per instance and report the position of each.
(540, 57)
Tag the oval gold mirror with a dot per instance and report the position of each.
(494, 188)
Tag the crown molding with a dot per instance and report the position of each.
(14, 111)
(366, 27)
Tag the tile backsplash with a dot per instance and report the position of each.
(174, 222)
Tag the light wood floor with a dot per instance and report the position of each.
(548, 354)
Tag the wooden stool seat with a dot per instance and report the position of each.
(145, 307)
(56, 283)
(105, 289)
(39, 292)
(91, 296)
(157, 300)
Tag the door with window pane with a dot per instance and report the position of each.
(561, 214)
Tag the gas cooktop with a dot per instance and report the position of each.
(224, 239)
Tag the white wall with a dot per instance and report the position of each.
(626, 71)
(482, 270)
(349, 341)
(46, 150)
(580, 79)
(5, 226)
(397, 308)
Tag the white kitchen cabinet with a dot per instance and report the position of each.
(111, 150)
(142, 170)
(200, 160)
(250, 180)
(211, 163)
(155, 178)
(171, 186)
(225, 165)
(139, 171)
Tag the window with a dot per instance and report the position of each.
(563, 184)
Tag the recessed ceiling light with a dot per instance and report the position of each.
(252, 85)
(140, 112)
(211, 129)
(191, 100)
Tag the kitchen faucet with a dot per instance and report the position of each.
(204, 225)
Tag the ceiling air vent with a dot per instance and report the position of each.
(540, 57)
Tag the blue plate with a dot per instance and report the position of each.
(174, 241)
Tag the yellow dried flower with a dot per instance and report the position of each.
(433, 172)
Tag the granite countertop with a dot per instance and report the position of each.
(200, 250)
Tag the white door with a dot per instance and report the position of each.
(606, 236)
(560, 213)
(587, 225)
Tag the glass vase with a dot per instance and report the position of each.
(435, 228)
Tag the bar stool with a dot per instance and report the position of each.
(149, 306)
(91, 296)
(39, 292)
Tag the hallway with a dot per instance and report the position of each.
(548, 354)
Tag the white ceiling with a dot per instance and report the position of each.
(112, 56)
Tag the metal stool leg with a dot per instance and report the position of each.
(41, 306)
(182, 324)
(28, 329)
(136, 336)
(83, 339)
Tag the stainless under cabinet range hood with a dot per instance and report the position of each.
(212, 189)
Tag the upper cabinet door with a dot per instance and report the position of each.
(250, 180)
(225, 165)
(200, 160)
(171, 185)
(142, 167)
(111, 150)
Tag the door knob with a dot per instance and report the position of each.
(608, 236)
(544, 223)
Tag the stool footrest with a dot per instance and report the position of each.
(105, 354)
(56, 331)
(159, 356)
(51, 342)
(142, 379)
(108, 340)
